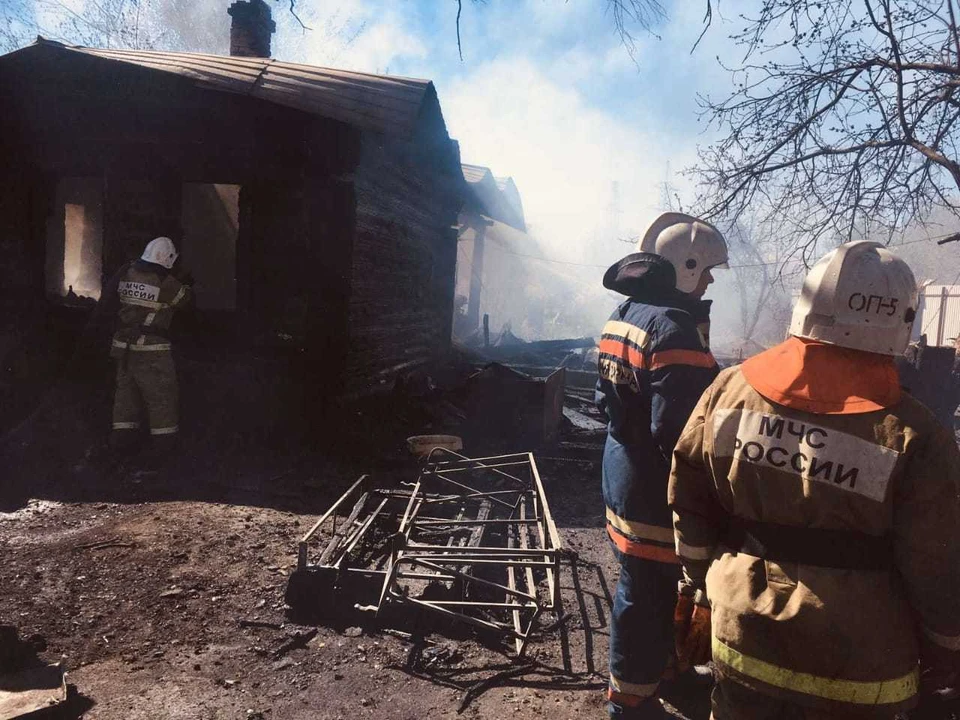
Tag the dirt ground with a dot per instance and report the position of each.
(163, 597)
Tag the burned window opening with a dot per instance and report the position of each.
(74, 257)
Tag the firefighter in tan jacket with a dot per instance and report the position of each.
(818, 507)
(146, 384)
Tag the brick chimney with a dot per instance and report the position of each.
(250, 29)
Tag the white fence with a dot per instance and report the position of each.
(939, 315)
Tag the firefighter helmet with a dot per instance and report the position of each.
(161, 251)
(859, 296)
(691, 245)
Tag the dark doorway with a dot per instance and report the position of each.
(210, 221)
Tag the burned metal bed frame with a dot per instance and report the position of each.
(472, 540)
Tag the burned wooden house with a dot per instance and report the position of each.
(315, 207)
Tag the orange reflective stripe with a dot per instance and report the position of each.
(622, 350)
(647, 551)
(696, 358)
(640, 530)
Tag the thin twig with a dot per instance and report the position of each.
(102, 544)
(707, 20)
(260, 624)
(293, 11)
(459, 46)
(298, 641)
(484, 685)
(559, 622)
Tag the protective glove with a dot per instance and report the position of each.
(691, 628)
(181, 272)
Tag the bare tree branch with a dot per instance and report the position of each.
(707, 22)
(842, 121)
(645, 14)
(459, 45)
(293, 11)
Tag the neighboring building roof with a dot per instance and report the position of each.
(384, 104)
(476, 173)
(508, 189)
(497, 197)
(506, 236)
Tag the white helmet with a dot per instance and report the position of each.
(689, 244)
(859, 296)
(161, 251)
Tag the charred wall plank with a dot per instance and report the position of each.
(404, 261)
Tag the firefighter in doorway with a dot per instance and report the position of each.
(817, 506)
(654, 364)
(146, 383)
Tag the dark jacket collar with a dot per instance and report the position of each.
(146, 266)
(651, 279)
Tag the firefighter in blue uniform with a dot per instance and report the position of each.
(654, 364)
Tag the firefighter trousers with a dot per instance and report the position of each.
(146, 385)
(733, 701)
(641, 632)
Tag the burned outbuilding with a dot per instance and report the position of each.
(504, 271)
(315, 207)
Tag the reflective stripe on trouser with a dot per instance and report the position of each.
(732, 701)
(641, 630)
(147, 382)
(650, 542)
(880, 698)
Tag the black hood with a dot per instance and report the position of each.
(651, 279)
(147, 266)
(641, 275)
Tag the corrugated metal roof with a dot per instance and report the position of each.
(498, 197)
(510, 192)
(476, 173)
(384, 104)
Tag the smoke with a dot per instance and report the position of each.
(182, 25)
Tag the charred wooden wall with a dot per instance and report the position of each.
(144, 134)
(404, 257)
(345, 255)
